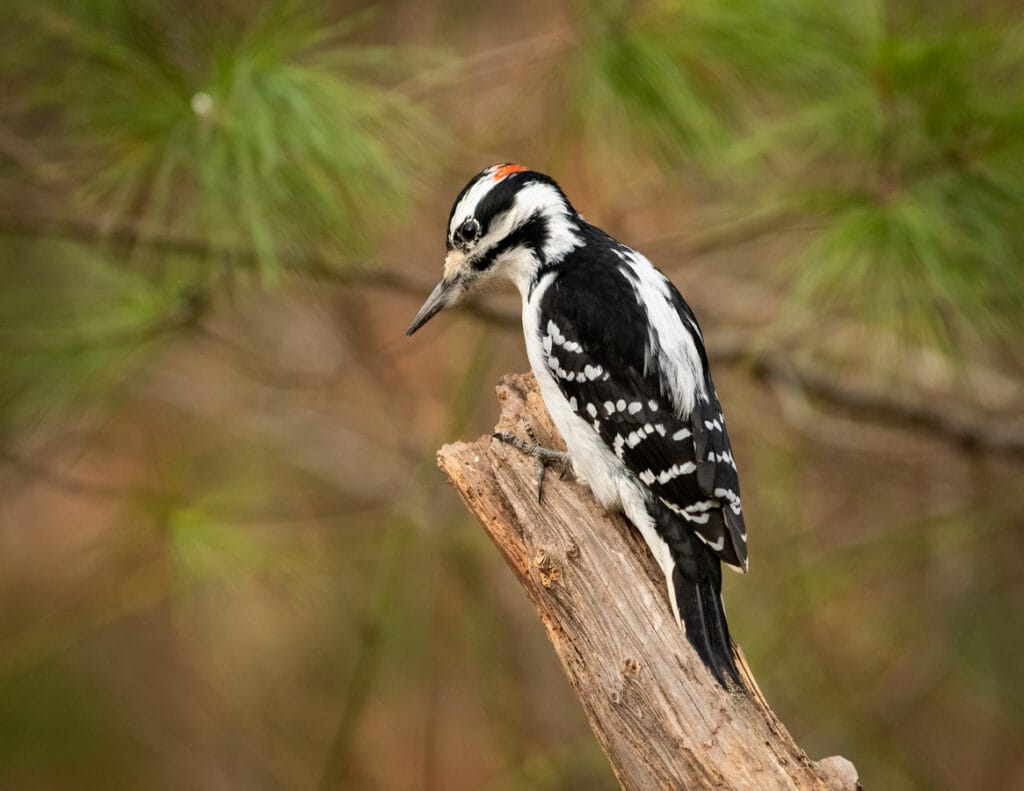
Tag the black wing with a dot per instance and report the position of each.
(595, 337)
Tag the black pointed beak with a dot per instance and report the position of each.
(438, 300)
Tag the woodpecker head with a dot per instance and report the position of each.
(507, 223)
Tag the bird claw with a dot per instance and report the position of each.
(542, 456)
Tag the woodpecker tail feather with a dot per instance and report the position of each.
(697, 581)
(696, 591)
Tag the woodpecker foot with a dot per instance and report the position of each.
(542, 456)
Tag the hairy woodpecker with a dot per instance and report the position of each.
(621, 365)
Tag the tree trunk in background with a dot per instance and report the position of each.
(659, 715)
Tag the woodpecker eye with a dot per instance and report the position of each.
(468, 231)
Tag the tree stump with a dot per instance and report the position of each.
(657, 712)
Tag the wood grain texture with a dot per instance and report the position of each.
(657, 712)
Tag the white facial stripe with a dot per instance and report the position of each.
(540, 197)
(536, 198)
(501, 226)
(464, 208)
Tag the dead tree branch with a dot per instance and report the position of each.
(660, 717)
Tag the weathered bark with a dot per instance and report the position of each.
(660, 717)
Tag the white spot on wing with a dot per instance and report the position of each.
(714, 546)
(675, 471)
(732, 497)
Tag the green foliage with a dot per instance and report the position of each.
(73, 327)
(896, 131)
(637, 81)
(263, 135)
(220, 143)
(910, 155)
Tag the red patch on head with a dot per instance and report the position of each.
(506, 170)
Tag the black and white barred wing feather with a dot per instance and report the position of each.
(609, 369)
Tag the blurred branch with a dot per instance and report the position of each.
(339, 270)
(959, 425)
(338, 768)
(956, 424)
(489, 63)
(661, 719)
(38, 471)
(33, 161)
(688, 243)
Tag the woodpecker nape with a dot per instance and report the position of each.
(621, 365)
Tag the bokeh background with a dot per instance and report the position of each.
(227, 560)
